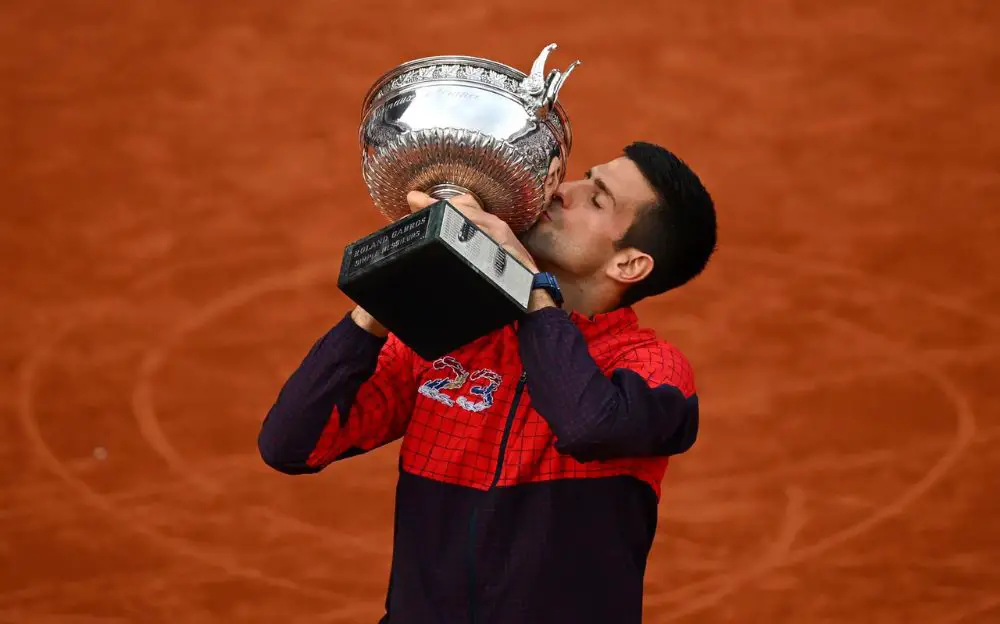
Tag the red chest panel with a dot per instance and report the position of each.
(464, 405)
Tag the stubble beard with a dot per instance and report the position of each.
(540, 244)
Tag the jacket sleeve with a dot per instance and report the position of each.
(352, 393)
(647, 405)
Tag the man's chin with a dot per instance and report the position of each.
(539, 253)
(528, 235)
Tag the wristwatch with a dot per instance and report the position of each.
(548, 283)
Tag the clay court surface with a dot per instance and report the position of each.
(180, 178)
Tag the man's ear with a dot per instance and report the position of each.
(629, 266)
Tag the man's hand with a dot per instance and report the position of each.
(368, 323)
(492, 225)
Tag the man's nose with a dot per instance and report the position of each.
(564, 193)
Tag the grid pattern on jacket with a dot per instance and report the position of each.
(452, 414)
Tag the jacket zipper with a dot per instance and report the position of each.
(496, 479)
(507, 427)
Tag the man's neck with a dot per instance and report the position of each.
(582, 296)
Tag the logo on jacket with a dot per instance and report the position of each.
(457, 378)
(484, 390)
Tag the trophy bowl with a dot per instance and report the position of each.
(449, 125)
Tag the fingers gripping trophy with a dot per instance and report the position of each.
(449, 126)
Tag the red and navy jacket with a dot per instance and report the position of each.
(530, 464)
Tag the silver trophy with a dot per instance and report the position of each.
(449, 125)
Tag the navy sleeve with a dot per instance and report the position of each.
(349, 395)
(645, 407)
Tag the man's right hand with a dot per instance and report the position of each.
(368, 323)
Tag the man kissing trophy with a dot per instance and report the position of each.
(447, 126)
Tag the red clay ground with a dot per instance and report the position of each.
(180, 178)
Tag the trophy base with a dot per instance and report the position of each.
(435, 280)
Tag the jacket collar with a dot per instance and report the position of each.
(616, 321)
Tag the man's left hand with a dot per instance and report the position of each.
(492, 225)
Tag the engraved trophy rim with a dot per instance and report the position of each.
(371, 99)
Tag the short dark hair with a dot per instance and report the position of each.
(678, 230)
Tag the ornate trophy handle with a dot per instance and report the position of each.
(540, 92)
